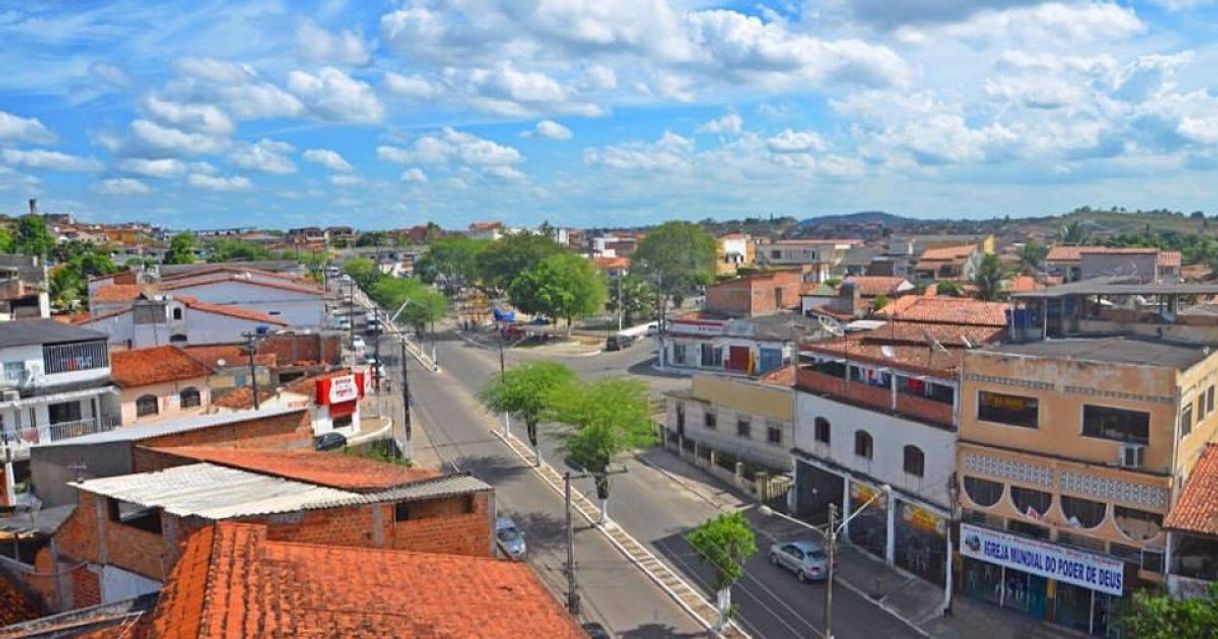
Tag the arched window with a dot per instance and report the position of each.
(983, 492)
(189, 397)
(177, 313)
(862, 444)
(1083, 513)
(822, 430)
(1138, 525)
(915, 461)
(1026, 499)
(146, 405)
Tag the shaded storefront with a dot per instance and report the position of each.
(869, 529)
(921, 541)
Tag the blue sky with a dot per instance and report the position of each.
(603, 112)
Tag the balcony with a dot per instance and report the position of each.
(880, 398)
(17, 443)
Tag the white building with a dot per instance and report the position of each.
(713, 343)
(55, 385)
(180, 321)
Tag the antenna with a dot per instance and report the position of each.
(831, 326)
(935, 344)
(887, 351)
(967, 342)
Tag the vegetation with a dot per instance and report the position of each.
(879, 302)
(725, 542)
(678, 256)
(68, 281)
(363, 271)
(563, 285)
(426, 305)
(373, 238)
(181, 249)
(1032, 257)
(6, 241)
(948, 288)
(451, 262)
(380, 451)
(528, 391)
(225, 250)
(634, 296)
(1160, 616)
(988, 278)
(509, 257)
(31, 237)
(1073, 233)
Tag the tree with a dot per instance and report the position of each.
(32, 237)
(879, 302)
(633, 296)
(506, 258)
(1074, 233)
(1160, 616)
(451, 262)
(988, 279)
(527, 391)
(603, 419)
(362, 270)
(562, 285)
(225, 250)
(181, 249)
(725, 542)
(678, 256)
(373, 238)
(948, 288)
(65, 288)
(1032, 256)
(425, 307)
(6, 242)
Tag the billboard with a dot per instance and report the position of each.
(1063, 564)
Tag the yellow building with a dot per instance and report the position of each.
(1069, 458)
(732, 252)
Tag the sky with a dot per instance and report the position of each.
(586, 113)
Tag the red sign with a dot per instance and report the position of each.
(340, 389)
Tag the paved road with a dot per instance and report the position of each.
(615, 592)
(658, 511)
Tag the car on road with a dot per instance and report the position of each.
(596, 631)
(652, 329)
(510, 539)
(372, 326)
(330, 441)
(357, 343)
(618, 342)
(805, 558)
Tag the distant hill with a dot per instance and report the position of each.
(861, 217)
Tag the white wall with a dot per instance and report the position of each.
(755, 448)
(199, 327)
(889, 437)
(119, 585)
(299, 310)
(30, 356)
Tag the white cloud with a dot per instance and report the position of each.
(887, 14)
(203, 118)
(51, 160)
(346, 180)
(504, 89)
(19, 129)
(411, 86)
(452, 146)
(327, 158)
(729, 124)
(237, 88)
(414, 175)
(218, 183)
(121, 186)
(599, 77)
(150, 135)
(335, 96)
(111, 74)
(550, 130)
(318, 45)
(1048, 24)
(163, 167)
(265, 155)
(795, 142)
(670, 153)
(505, 172)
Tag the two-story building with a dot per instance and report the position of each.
(817, 257)
(157, 320)
(711, 342)
(55, 385)
(160, 382)
(732, 252)
(1074, 263)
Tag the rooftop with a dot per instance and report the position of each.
(140, 432)
(15, 605)
(44, 331)
(153, 365)
(873, 285)
(334, 471)
(229, 354)
(233, 582)
(1196, 510)
(126, 619)
(1117, 285)
(1112, 350)
(945, 253)
(947, 310)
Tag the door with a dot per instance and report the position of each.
(738, 358)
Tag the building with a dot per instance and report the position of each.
(23, 288)
(954, 263)
(711, 342)
(485, 231)
(332, 399)
(160, 382)
(756, 294)
(1116, 306)
(1192, 530)
(296, 302)
(612, 267)
(734, 251)
(818, 258)
(1075, 449)
(55, 386)
(156, 320)
(1145, 265)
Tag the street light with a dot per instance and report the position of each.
(435, 364)
(831, 529)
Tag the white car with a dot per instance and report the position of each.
(358, 343)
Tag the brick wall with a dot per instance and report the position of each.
(290, 430)
(349, 526)
(42, 579)
(3, 487)
(289, 349)
(86, 588)
(755, 295)
(125, 546)
(443, 526)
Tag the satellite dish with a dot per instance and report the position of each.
(831, 326)
(967, 342)
(220, 362)
(934, 343)
(887, 351)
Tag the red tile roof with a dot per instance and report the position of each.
(1023, 284)
(873, 285)
(948, 253)
(784, 376)
(225, 276)
(948, 310)
(324, 469)
(15, 605)
(230, 311)
(241, 398)
(606, 263)
(153, 365)
(1062, 253)
(230, 268)
(234, 582)
(231, 355)
(109, 293)
(1196, 511)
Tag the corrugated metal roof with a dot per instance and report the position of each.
(156, 429)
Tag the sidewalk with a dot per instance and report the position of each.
(916, 602)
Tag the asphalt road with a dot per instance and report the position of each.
(647, 503)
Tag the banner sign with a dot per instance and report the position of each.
(343, 389)
(1043, 559)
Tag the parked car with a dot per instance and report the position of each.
(805, 558)
(510, 539)
(652, 329)
(618, 342)
(330, 441)
(596, 631)
(358, 344)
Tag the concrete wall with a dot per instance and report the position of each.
(168, 400)
(733, 399)
(299, 310)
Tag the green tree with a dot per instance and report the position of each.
(33, 237)
(988, 278)
(948, 288)
(92, 264)
(6, 241)
(527, 391)
(181, 249)
(225, 250)
(506, 258)
(633, 295)
(1160, 616)
(604, 419)
(879, 302)
(562, 285)
(725, 542)
(362, 270)
(1032, 256)
(678, 256)
(425, 305)
(373, 238)
(66, 288)
(451, 262)
(1073, 233)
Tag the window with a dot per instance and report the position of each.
(134, 515)
(1083, 513)
(678, 353)
(1116, 424)
(14, 371)
(146, 405)
(64, 412)
(1200, 406)
(342, 422)
(915, 461)
(1013, 410)
(711, 355)
(1138, 525)
(744, 427)
(1186, 420)
(177, 313)
(1209, 400)
(776, 254)
(1028, 499)
(983, 492)
(274, 313)
(862, 444)
(190, 398)
(81, 356)
(773, 435)
(710, 420)
(821, 426)
(401, 511)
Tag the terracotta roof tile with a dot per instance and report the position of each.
(15, 605)
(1196, 510)
(948, 310)
(234, 582)
(231, 355)
(948, 253)
(324, 469)
(1062, 253)
(784, 376)
(229, 310)
(605, 263)
(231, 268)
(220, 277)
(873, 285)
(110, 293)
(153, 365)
(241, 398)
(1023, 284)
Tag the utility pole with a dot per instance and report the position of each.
(507, 417)
(249, 346)
(406, 401)
(832, 552)
(572, 588)
(351, 319)
(376, 369)
(620, 302)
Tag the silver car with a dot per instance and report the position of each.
(806, 559)
(510, 539)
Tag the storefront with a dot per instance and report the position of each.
(869, 528)
(921, 541)
(1061, 585)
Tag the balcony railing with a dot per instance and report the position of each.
(21, 439)
(879, 398)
